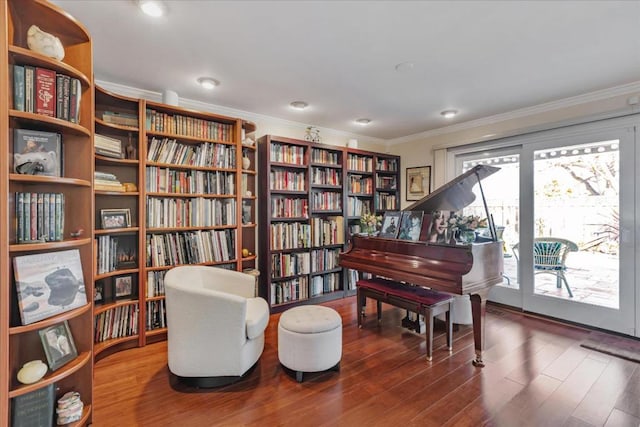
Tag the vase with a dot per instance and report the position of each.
(465, 237)
(246, 163)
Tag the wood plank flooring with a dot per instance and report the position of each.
(536, 374)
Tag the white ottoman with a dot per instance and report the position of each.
(310, 339)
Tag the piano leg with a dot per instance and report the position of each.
(478, 309)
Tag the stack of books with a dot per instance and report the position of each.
(107, 146)
(103, 181)
(123, 119)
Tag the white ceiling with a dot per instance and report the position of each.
(479, 57)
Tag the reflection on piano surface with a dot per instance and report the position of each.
(459, 269)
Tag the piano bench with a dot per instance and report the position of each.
(426, 302)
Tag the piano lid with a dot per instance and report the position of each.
(455, 194)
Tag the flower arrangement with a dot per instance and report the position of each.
(370, 222)
(470, 222)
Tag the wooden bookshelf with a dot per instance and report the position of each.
(118, 250)
(314, 195)
(21, 343)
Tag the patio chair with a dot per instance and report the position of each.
(549, 256)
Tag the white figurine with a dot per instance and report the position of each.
(44, 43)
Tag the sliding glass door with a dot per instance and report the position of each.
(566, 200)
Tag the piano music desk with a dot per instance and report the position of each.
(426, 302)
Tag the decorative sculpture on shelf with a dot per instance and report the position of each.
(312, 134)
(44, 43)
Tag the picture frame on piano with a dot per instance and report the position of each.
(390, 224)
(411, 225)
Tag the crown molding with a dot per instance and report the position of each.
(149, 95)
(627, 89)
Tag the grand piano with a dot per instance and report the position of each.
(458, 269)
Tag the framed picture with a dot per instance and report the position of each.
(48, 284)
(390, 224)
(439, 227)
(37, 152)
(418, 182)
(115, 218)
(126, 253)
(58, 345)
(123, 286)
(98, 293)
(411, 225)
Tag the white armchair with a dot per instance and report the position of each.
(215, 324)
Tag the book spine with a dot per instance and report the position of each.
(59, 95)
(66, 88)
(29, 84)
(18, 87)
(52, 217)
(45, 215)
(59, 216)
(20, 217)
(74, 101)
(33, 230)
(45, 92)
(40, 224)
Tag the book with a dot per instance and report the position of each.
(48, 284)
(66, 88)
(18, 87)
(37, 152)
(75, 95)
(35, 408)
(29, 84)
(60, 96)
(45, 92)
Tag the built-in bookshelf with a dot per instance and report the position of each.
(192, 197)
(249, 204)
(118, 176)
(53, 245)
(314, 197)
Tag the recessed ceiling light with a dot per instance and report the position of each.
(448, 114)
(299, 105)
(208, 82)
(363, 122)
(404, 66)
(153, 8)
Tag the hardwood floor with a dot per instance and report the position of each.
(536, 374)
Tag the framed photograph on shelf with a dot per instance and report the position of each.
(390, 224)
(48, 284)
(418, 182)
(58, 345)
(115, 218)
(126, 253)
(37, 152)
(98, 293)
(123, 286)
(411, 225)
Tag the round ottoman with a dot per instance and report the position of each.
(310, 339)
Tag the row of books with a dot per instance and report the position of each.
(326, 176)
(289, 235)
(360, 184)
(386, 182)
(163, 180)
(389, 165)
(326, 201)
(324, 157)
(293, 264)
(291, 154)
(357, 206)
(39, 217)
(207, 154)
(155, 283)
(156, 315)
(290, 290)
(194, 212)
(117, 322)
(359, 163)
(107, 146)
(282, 207)
(386, 201)
(115, 253)
(325, 284)
(327, 231)
(188, 126)
(324, 259)
(43, 91)
(280, 179)
(191, 247)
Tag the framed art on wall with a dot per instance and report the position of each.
(418, 182)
